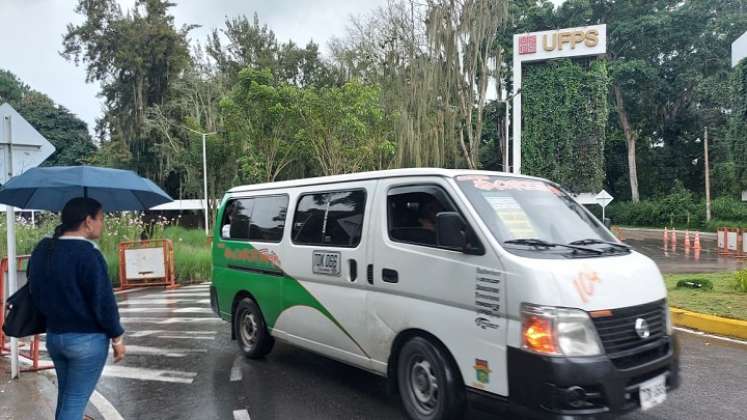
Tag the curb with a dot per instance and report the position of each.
(709, 323)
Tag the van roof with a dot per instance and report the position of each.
(362, 176)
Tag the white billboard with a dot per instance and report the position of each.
(569, 42)
(739, 49)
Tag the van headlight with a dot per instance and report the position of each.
(558, 331)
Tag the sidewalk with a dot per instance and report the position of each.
(32, 397)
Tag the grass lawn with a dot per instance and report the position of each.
(724, 300)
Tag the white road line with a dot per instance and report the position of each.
(192, 287)
(143, 374)
(162, 301)
(186, 337)
(236, 374)
(155, 351)
(166, 321)
(187, 310)
(702, 334)
(241, 415)
(172, 295)
(145, 333)
(104, 407)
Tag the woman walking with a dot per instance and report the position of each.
(70, 286)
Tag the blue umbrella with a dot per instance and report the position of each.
(50, 188)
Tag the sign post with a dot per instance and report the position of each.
(548, 45)
(24, 148)
(603, 198)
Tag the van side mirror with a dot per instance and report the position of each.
(453, 233)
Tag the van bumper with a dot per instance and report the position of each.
(543, 387)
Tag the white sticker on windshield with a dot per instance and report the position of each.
(515, 219)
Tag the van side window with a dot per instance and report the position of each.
(256, 219)
(329, 219)
(412, 213)
(268, 218)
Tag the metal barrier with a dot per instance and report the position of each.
(28, 347)
(146, 263)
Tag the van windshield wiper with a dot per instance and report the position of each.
(592, 241)
(539, 243)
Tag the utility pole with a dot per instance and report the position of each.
(707, 177)
(204, 174)
(10, 218)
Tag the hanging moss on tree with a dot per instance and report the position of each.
(565, 113)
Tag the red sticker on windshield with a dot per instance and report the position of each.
(486, 184)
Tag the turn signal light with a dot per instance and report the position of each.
(537, 333)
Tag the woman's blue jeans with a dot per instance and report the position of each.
(79, 359)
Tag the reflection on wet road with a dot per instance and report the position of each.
(183, 366)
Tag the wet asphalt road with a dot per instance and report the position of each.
(182, 364)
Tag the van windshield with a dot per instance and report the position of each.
(533, 216)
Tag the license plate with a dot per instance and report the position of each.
(653, 392)
(327, 263)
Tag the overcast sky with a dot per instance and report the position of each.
(31, 36)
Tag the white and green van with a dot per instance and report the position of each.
(461, 287)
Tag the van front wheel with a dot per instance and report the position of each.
(429, 385)
(251, 331)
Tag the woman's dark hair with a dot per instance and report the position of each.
(75, 213)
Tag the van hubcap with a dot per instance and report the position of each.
(424, 385)
(248, 330)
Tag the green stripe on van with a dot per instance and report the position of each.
(240, 266)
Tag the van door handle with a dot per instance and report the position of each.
(353, 270)
(389, 275)
(369, 274)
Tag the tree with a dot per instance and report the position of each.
(345, 128)
(64, 130)
(265, 117)
(135, 56)
(434, 63)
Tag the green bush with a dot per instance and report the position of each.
(192, 257)
(741, 277)
(680, 210)
(695, 283)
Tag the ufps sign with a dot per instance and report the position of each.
(548, 45)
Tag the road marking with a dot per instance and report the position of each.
(241, 415)
(146, 333)
(162, 301)
(143, 374)
(104, 407)
(188, 310)
(236, 374)
(702, 334)
(182, 294)
(186, 337)
(146, 350)
(166, 321)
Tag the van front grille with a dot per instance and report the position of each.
(621, 341)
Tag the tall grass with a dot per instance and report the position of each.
(192, 257)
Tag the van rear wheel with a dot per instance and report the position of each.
(429, 385)
(251, 331)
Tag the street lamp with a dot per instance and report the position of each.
(204, 173)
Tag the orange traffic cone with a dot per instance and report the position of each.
(674, 238)
(687, 239)
(666, 235)
(696, 242)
